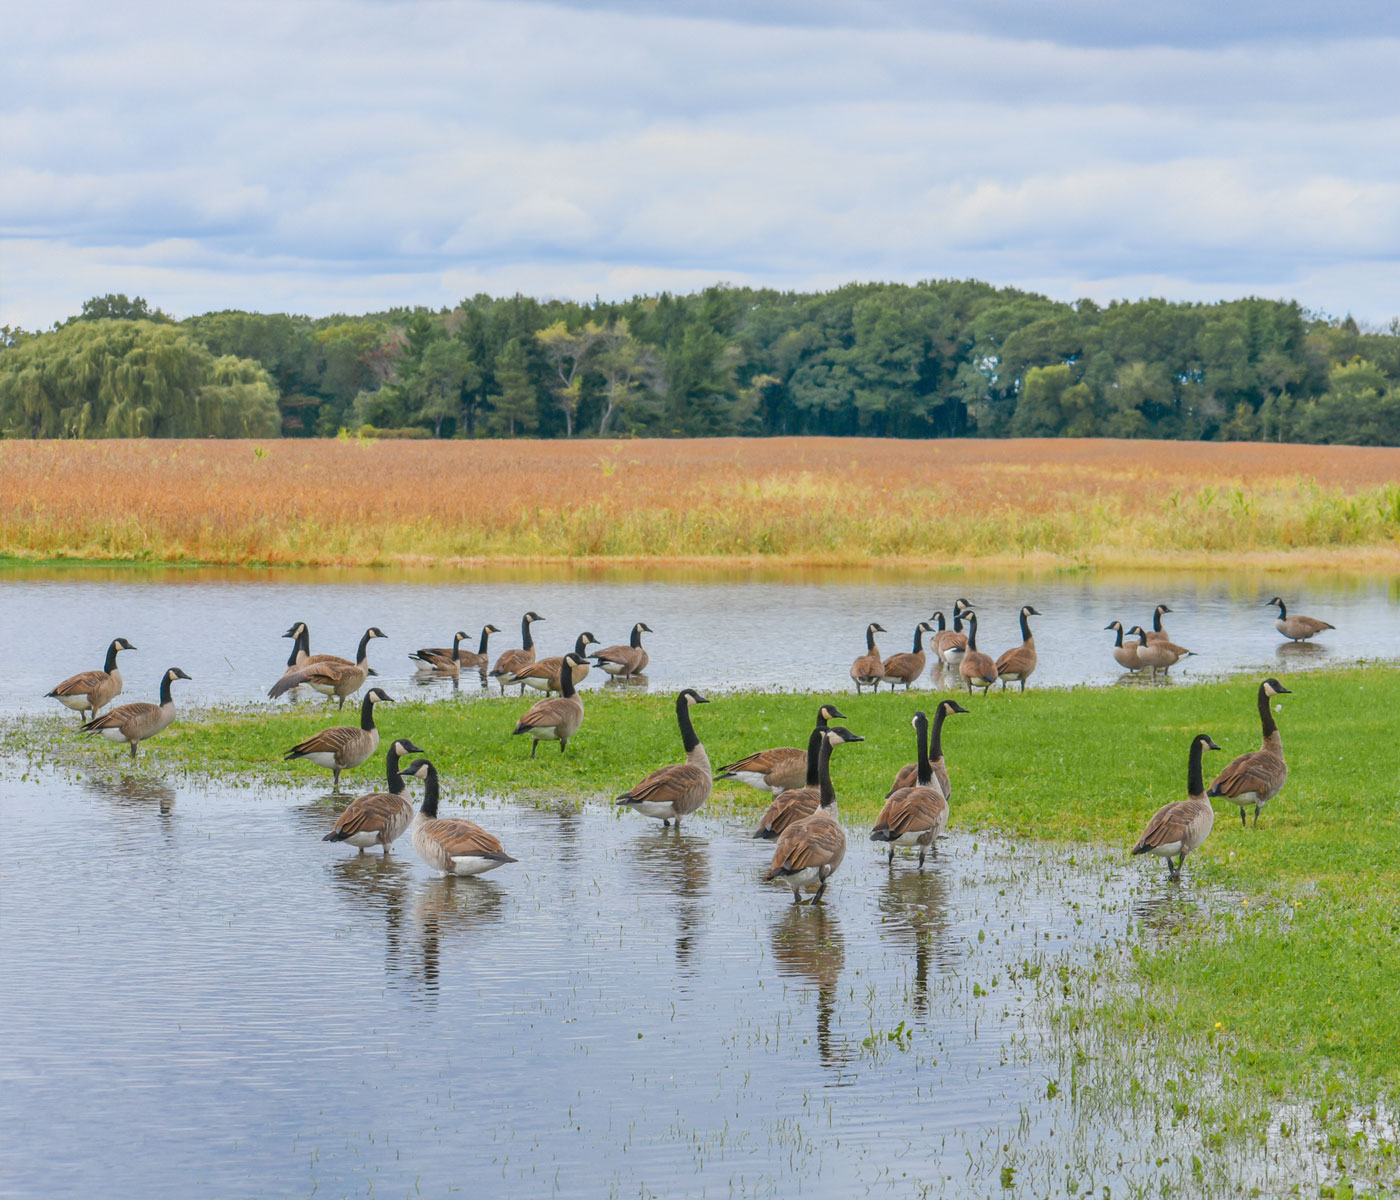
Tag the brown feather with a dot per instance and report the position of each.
(817, 841)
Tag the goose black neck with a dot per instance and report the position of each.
(1157, 620)
(942, 625)
(925, 767)
(581, 647)
(566, 679)
(1119, 632)
(1266, 714)
(1195, 782)
(485, 637)
(821, 717)
(972, 632)
(364, 648)
(828, 793)
(296, 649)
(456, 647)
(1025, 628)
(526, 639)
(636, 637)
(936, 747)
(814, 747)
(918, 639)
(393, 778)
(165, 689)
(367, 713)
(688, 738)
(957, 622)
(1282, 610)
(111, 664)
(870, 639)
(430, 793)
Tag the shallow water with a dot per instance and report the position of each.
(713, 630)
(203, 998)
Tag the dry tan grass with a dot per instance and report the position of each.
(790, 500)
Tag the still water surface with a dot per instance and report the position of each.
(204, 999)
(798, 630)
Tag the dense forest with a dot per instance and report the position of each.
(936, 359)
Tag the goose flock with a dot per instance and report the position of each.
(809, 841)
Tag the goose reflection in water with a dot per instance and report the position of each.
(375, 884)
(808, 946)
(915, 908)
(677, 863)
(450, 908)
(135, 791)
(626, 683)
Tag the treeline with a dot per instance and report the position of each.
(936, 359)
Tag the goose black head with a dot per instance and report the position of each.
(919, 720)
(838, 734)
(489, 628)
(533, 616)
(122, 644)
(926, 626)
(375, 632)
(876, 627)
(1276, 600)
(1272, 687)
(1138, 629)
(1162, 608)
(1118, 625)
(830, 712)
(418, 768)
(948, 707)
(587, 638)
(296, 630)
(175, 673)
(959, 605)
(1206, 741)
(643, 627)
(1028, 611)
(380, 696)
(937, 615)
(574, 660)
(403, 746)
(691, 696)
(461, 635)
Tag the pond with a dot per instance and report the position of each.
(203, 998)
(714, 630)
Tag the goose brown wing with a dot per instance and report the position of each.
(622, 656)
(867, 666)
(814, 842)
(1257, 772)
(329, 741)
(763, 761)
(81, 684)
(905, 777)
(371, 813)
(790, 807)
(512, 661)
(914, 811)
(546, 713)
(901, 664)
(127, 714)
(1311, 625)
(542, 668)
(668, 784)
(464, 839)
(328, 673)
(1169, 824)
(1017, 659)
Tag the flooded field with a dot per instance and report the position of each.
(203, 998)
(797, 630)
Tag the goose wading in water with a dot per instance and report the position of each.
(134, 723)
(452, 845)
(378, 818)
(918, 815)
(672, 792)
(810, 851)
(800, 803)
(1178, 828)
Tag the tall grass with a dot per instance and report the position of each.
(809, 501)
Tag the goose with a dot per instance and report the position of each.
(907, 667)
(977, 669)
(1161, 656)
(545, 675)
(555, 718)
(675, 791)
(300, 633)
(88, 691)
(625, 661)
(798, 803)
(437, 660)
(1182, 826)
(918, 815)
(296, 659)
(782, 768)
(908, 776)
(1296, 629)
(809, 851)
(515, 660)
(1124, 656)
(951, 644)
(866, 669)
(452, 845)
(378, 818)
(1158, 634)
(329, 676)
(343, 747)
(1258, 777)
(133, 723)
(1018, 663)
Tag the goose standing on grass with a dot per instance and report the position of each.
(782, 768)
(133, 723)
(437, 660)
(1161, 656)
(555, 718)
(88, 691)
(1182, 826)
(344, 747)
(799, 803)
(1255, 779)
(546, 675)
(1019, 662)
(1158, 634)
(1296, 628)
(672, 792)
(951, 644)
(866, 669)
(1124, 656)
(918, 815)
(512, 661)
(625, 662)
(378, 818)
(809, 851)
(908, 776)
(333, 678)
(905, 668)
(977, 669)
(452, 845)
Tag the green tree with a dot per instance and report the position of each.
(116, 307)
(567, 353)
(515, 408)
(631, 375)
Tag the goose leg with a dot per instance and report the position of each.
(922, 852)
(335, 779)
(133, 759)
(1244, 824)
(1023, 685)
(1256, 815)
(534, 745)
(562, 743)
(891, 855)
(820, 890)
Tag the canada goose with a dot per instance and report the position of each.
(1180, 827)
(452, 845)
(331, 677)
(866, 669)
(437, 660)
(343, 747)
(785, 767)
(908, 776)
(624, 661)
(1258, 777)
(914, 816)
(810, 850)
(906, 668)
(1158, 634)
(555, 718)
(300, 633)
(1124, 656)
(977, 669)
(1296, 629)
(132, 723)
(90, 690)
(545, 674)
(678, 790)
(1018, 662)
(798, 803)
(1161, 656)
(378, 818)
(512, 661)
(951, 644)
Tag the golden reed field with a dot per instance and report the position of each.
(794, 501)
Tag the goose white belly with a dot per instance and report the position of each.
(613, 668)
(363, 840)
(77, 703)
(652, 808)
(544, 733)
(113, 735)
(322, 758)
(911, 837)
(808, 877)
(1166, 850)
(755, 779)
(954, 655)
(473, 864)
(540, 685)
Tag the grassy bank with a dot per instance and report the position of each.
(810, 501)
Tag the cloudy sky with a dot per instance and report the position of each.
(330, 155)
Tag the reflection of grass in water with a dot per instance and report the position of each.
(1052, 502)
